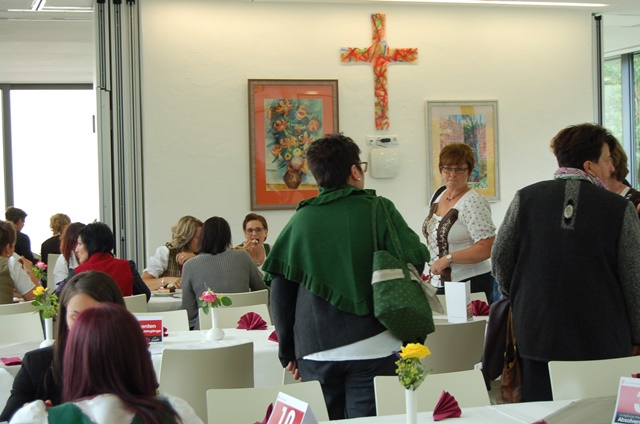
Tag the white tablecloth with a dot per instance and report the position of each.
(164, 303)
(523, 413)
(266, 366)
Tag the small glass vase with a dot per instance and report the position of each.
(411, 405)
(48, 331)
(215, 333)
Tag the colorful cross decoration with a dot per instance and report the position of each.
(379, 54)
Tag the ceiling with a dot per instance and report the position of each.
(622, 13)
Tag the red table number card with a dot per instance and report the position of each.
(152, 328)
(628, 403)
(289, 410)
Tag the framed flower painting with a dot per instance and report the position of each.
(285, 116)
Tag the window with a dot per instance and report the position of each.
(54, 156)
(612, 115)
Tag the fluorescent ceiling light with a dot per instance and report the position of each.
(505, 2)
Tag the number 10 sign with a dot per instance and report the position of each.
(289, 410)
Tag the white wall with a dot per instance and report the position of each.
(198, 54)
(46, 51)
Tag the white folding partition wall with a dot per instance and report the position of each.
(119, 122)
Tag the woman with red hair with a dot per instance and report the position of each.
(110, 376)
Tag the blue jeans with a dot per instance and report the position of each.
(347, 386)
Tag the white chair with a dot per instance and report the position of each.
(455, 347)
(52, 258)
(17, 308)
(287, 377)
(248, 298)
(189, 373)
(466, 386)
(473, 296)
(171, 320)
(136, 303)
(22, 327)
(587, 379)
(251, 404)
(228, 317)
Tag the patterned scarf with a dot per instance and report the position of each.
(565, 173)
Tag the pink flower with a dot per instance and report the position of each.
(41, 265)
(209, 296)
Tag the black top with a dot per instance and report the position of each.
(50, 245)
(33, 382)
(23, 246)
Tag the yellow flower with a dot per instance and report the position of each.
(414, 350)
(39, 291)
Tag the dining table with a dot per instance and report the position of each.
(267, 369)
(579, 411)
(163, 303)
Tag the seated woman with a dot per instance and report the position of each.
(616, 182)
(40, 376)
(95, 243)
(165, 267)
(217, 267)
(256, 231)
(67, 259)
(14, 275)
(57, 223)
(108, 376)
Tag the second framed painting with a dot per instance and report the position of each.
(474, 123)
(285, 116)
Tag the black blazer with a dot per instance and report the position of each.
(23, 246)
(34, 381)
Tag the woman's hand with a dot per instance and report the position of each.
(176, 281)
(440, 265)
(292, 367)
(183, 257)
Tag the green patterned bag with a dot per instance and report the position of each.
(399, 302)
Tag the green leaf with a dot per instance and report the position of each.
(205, 309)
(226, 301)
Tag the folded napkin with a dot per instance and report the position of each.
(251, 321)
(273, 336)
(479, 308)
(14, 360)
(266, 417)
(637, 375)
(447, 407)
(165, 332)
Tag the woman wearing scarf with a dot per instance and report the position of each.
(567, 256)
(319, 270)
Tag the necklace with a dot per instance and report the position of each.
(453, 197)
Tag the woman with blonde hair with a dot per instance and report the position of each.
(165, 267)
(57, 223)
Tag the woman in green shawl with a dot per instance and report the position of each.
(319, 270)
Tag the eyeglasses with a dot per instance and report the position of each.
(449, 170)
(258, 230)
(363, 166)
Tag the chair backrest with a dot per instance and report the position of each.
(136, 303)
(228, 317)
(171, 320)
(250, 405)
(52, 258)
(287, 377)
(17, 308)
(189, 373)
(586, 379)
(466, 386)
(248, 298)
(455, 347)
(22, 327)
(474, 296)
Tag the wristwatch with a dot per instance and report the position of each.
(450, 257)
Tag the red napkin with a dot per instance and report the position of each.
(14, 360)
(447, 407)
(479, 308)
(273, 336)
(637, 375)
(251, 321)
(165, 332)
(266, 417)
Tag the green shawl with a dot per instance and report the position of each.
(327, 246)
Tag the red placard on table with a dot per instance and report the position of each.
(289, 410)
(628, 402)
(152, 328)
